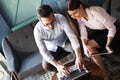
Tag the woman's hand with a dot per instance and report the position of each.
(87, 50)
(109, 49)
(109, 40)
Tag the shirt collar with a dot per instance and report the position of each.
(45, 27)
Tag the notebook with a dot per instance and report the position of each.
(104, 53)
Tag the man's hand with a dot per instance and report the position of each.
(79, 63)
(63, 70)
(79, 60)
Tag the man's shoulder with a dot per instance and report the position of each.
(59, 15)
(38, 26)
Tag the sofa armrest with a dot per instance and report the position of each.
(10, 56)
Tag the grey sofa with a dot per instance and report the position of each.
(4, 30)
(22, 53)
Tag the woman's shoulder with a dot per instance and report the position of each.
(101, 14)
(96, 9)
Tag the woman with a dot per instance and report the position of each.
(93, 18)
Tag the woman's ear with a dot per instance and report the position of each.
(81, 6)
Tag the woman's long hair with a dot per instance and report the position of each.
(75, 4)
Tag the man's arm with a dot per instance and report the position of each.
(42, 46)
(79, 59)
(74, 42)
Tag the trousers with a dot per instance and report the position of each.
(58, 55)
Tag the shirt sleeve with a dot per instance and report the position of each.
(83, 30)
(41, 46)
(108, 21)
(69, 32)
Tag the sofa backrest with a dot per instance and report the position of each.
(22, 41)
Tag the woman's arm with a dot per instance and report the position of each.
(109, 40)
(85, 48)
(108, 22)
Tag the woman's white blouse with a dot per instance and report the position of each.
(98, 19)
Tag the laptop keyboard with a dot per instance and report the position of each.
(77, 74)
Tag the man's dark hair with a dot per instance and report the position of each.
(44, 10)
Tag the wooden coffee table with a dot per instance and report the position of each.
(96, 72)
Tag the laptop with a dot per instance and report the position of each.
(78, 75)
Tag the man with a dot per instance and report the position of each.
(51, 33)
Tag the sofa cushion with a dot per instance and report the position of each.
(22, 41)
(30, 65)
